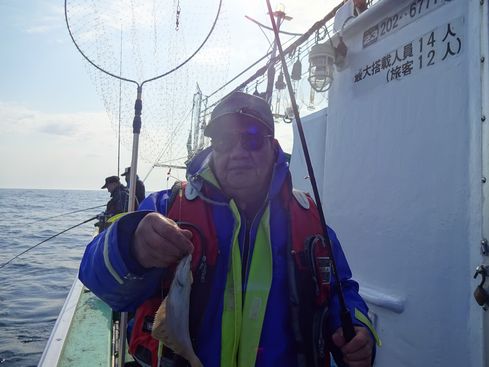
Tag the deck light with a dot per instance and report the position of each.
(322, 57)
(296, 70)
(280, 83)
(296, 74)
(321, 60)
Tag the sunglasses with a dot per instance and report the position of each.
(249, 141)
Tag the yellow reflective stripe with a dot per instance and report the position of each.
(208, 175)
(242, 324)
(115, 217)
(257, 291)
(232, 311)
(364, 319)
(106, 257)
(160, 352)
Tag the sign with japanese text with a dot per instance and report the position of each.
(427, 51)
(394, 22)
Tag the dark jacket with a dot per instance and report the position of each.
(140, 190)
(118, 202)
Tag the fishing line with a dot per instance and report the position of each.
(346, 320)
(47, 239)
(165, 148)
(60, 215)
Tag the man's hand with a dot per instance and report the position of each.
(358, 352)
(159, 242)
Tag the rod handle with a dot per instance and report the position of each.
(347, 324)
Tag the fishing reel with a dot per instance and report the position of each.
(102, 221)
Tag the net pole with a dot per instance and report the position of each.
(136, 129)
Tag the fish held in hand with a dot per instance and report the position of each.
(172, 318)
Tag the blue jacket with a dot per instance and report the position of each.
(109, 271)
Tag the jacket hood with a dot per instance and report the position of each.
(199, 173)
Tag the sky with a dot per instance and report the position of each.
(55, 132)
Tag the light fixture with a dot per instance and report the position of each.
(322, 57)
(321, 60)
(296, 74)
(280, 83)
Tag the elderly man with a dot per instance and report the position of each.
(262, 292)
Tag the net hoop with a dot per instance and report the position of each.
(150, 79)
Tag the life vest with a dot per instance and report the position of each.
(309, 274)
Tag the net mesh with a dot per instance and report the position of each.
(140, 40)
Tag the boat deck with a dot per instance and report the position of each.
(89, 339)
(82, 335)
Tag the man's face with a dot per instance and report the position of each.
(112, 186)
(243, 155)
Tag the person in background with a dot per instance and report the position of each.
(140, 189)
(360, 5)
(119, 196)
(263, 294)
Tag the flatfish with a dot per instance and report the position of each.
(172, 318)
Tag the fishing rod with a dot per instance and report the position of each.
(60, 215)
(47, 239)
(346, 320)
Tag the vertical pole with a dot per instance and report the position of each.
(120, 108)
(271, 66)
(195, 119)
(136, 129)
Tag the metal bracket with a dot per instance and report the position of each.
(484, 247)
(480, 294)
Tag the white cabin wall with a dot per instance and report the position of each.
(485, 141)
(479, 165)
(402, 187)
(314, 126)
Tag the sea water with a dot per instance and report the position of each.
(34, 286)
